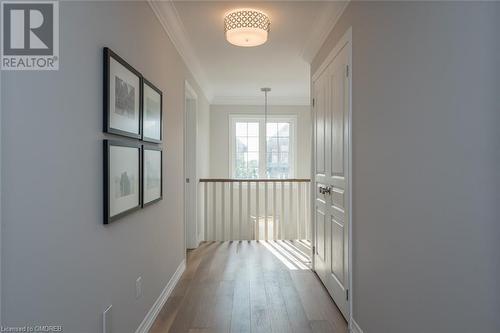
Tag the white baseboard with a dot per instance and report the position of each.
(148, 321)
(355, 327)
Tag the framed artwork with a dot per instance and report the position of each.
(122, 97)
(152, 176)
(152, 129)
(122, 179)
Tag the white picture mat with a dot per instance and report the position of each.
(123, 159)
(152, 115)
(116, 120)
(153, 158)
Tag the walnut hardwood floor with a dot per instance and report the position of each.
(248, 287)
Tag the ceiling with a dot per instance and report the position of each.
(234, 75)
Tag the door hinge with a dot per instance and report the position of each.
(314, 102)
(347, 294)
(314, 249)
(347, 71)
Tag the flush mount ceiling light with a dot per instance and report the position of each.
(246, 27)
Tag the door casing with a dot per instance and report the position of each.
(345, 39)
(190, 169)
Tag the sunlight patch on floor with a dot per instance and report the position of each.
(292, 257)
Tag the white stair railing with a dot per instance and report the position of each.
(256, 209)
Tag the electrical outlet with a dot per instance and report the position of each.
(106, 320)
(138, 287)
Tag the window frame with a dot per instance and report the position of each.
(273, 118)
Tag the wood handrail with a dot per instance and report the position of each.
(260, 180)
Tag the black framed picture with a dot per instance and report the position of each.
(152, 113)
(122, 97)
(122, 179)
(152, 175)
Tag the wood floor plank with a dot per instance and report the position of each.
(259, 308)
(205, 307)
(293, 304)
(243, 287)
(322, 326)
(201, 330)
(224, 307)
(318, 304)
(167, 315)
(240, 315)
(278, 315)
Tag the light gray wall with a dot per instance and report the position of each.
(219, 135)
(426, 154)
(61, 266)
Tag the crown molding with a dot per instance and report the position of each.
(323, 27)
(171, 22)
(259, 100)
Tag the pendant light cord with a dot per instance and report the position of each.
(265, 112)
(265, 90)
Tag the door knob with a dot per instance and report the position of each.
(325, 190)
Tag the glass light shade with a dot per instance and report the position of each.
(246, 27)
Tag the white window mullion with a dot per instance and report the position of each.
(262, 149)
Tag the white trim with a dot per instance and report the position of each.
(354, 328)
(348, 35)
(272, 117)
(169, 18)
(345, 39)
(148, 321)
(1, 223)
(323, 27)
(257, 100)
(189, 93)
(189, 90)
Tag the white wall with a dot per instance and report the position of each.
(219, 135)
(60, 264)
(426, 156)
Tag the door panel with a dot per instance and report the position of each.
(320, 104)
(337, 123)
(320, 218)
(331, 116)
(337, 250)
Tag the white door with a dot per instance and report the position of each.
(332, 197)
(191, 181)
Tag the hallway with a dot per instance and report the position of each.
(248, 287)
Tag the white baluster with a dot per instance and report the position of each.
(223, 210)
(205, 208)
(275, 229)
(249, 205)
(265, 212)
(214, 213)
(240, 208)
(256, 235)
(290, 211)
(231, 211)
(299, 210)
(282, 212)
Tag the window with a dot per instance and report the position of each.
(258, 151)
(247, 150)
